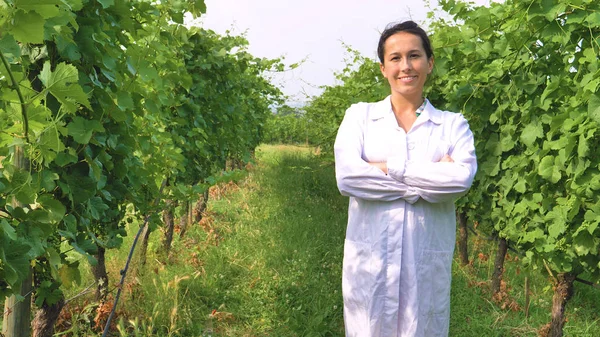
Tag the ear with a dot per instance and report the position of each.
(431, 62)
(382, 68)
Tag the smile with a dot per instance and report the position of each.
(407, 78)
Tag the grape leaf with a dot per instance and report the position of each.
(594, 108)
(82, 129)
(28, 27)
(62, 84)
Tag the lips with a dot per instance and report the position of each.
(407, 78)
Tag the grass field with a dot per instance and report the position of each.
(266, 261)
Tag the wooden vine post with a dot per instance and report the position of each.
(463, 237)
(169, 225)
(17, 312)
(499, 265)
(100, 275)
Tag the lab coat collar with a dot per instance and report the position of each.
(431, 113)
(384, 107)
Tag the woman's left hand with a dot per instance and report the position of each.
(381, 166)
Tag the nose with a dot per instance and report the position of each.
(405, 64)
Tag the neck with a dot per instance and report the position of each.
(406, 105)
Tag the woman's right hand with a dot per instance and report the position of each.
(446, 159)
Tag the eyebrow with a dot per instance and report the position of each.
(410, 51)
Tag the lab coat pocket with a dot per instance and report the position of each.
(357, 278)
(435, 273)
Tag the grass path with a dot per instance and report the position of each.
(266, 261)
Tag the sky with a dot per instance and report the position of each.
(310, 30)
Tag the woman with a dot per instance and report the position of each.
(403, 163)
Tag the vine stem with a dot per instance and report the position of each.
(85, 291)
(490, 238)
(124, 270)
(550, 272)
(20, 94)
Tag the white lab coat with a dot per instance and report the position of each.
(401, 226)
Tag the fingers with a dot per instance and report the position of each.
(446, 159)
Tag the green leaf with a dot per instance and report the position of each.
(82, 129)
(68, 48)
(593, 19)
(591, 216)
(106, 3)
(124, 100)
(48, 180)
(531, 132)
(520, 186)
(8, 229)
(53, 257)
(46, 8)
(75, 4)
(48, 293)
(583, 243)
(507, 142)
(65, 158)
(531, 236)
(70, 231)
(62, 83)
(200, 5)
(15, 260)
(24, 191)
(589, 56)
(97, 207)
(582, 147)
(558, 216)
(594, 108)
(86, 248)
(8, 46)
(50, 143)
(548, 169)
(150, 73)
(56, 210)
(28, 27)
(80, 188)
(70, 275)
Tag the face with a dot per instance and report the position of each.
(406, 65)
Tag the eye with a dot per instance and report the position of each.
(414, 56)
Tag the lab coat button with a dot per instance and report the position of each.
(411, 146)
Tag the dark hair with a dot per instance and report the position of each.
(408, 27)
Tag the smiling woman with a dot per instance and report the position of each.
(406, 66)
(403, 163)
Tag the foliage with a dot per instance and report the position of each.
(526, 76)
(108, 99)
(254, 268)
(287, 126)
(360, 81)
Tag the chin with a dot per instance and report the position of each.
(408, 93)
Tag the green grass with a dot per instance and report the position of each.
(267, 257)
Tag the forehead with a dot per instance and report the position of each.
(403, 42)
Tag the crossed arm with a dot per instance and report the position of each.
(398, 178)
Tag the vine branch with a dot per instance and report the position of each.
(20, 94)
(490, 238)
